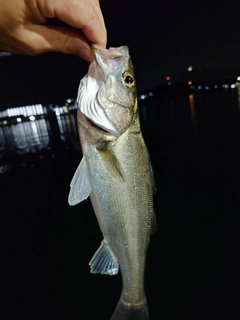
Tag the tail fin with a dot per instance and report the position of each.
(130, 312)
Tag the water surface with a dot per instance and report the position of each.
(192, 264)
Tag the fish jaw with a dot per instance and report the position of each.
(103, 96)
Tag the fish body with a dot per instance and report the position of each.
(115, 172)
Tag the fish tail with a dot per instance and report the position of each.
(125, 311)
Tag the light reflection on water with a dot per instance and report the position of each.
(67, 126)
(191, 115)
(25, 137)
(187, 115)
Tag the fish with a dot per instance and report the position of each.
(116, 173)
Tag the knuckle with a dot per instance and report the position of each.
(67, 47)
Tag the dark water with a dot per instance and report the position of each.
(192, 267)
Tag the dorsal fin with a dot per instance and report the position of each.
(80, 185)
(104, 261)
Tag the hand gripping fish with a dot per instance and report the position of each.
(116, 173)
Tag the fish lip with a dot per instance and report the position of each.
(110, 50)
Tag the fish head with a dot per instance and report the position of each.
(107, 94)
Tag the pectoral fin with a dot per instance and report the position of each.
(80, 185)
(110, 162)
(103, 261)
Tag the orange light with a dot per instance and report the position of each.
(189, 82)
(191, 97)
(190, 68)
(168, 78)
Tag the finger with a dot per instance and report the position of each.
(43, 38)
(81, 14)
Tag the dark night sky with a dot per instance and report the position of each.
(164, 37)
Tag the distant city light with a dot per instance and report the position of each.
(19, 120)
(238, 78)
(142, 97)
(207, 87)
(216, 86)
(150, 93)
(25, 111)
(199, 87)
(168, 78)
(32, 118)
(232, 86)
(190, 68)
(225, 86)
(189, 82)
(169, 83)
(57, 113)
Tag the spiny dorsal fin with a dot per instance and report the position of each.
(103, 261)
(110, 162)
(80, 185)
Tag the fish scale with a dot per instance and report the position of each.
(124, 211)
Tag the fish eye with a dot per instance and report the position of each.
(129, 79)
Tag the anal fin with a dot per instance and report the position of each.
(103, 261)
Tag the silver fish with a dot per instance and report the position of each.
(116, 173)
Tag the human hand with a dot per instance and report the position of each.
(36, 26)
